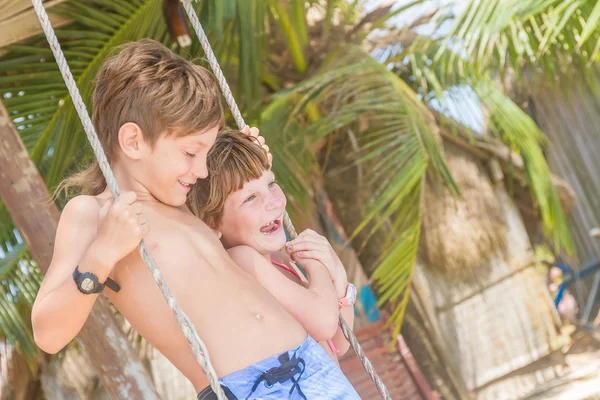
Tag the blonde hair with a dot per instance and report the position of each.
(234, 160)
(147, 84)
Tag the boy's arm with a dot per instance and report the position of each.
(60, 309)
(311, 245)
(314, 307)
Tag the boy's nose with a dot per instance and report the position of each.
(274, 202)
(200, 170)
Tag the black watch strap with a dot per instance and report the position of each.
(87, 282)
(112, 285)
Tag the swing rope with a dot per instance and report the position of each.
(187, 327)
(185, 324)
(239, 119)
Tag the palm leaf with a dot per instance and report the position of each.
(509, 123)
(400, 144)
(591, 25)
(294, 164)
(19, 283)
(514, 127)
(550, 37)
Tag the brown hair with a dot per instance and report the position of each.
(149, 85)
(234, 160)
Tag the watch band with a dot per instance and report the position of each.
(112, 285)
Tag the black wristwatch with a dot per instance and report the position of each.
(87, 282)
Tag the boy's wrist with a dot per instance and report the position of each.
(341, 285)
(97, 259)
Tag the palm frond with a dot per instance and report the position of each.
(545, 38)
(515, 128)
(294, 164)
(400, 144)
(511, 125)
(19, 283)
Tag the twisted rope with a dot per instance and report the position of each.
(186, 325)
(239, 119)
(367, 365)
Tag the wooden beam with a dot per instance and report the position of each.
(22, 21)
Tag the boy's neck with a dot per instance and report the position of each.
(127, 183)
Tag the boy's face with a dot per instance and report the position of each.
(175, 163)
(253, 216)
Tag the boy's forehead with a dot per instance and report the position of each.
(266, 175)
(204, 137)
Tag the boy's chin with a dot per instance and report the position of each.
(272, 244)
(277, 243)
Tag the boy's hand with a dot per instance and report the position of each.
(310, 245)
(255, 133)
(121, 227)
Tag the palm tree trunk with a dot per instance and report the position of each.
(17, 382)
(35, 215)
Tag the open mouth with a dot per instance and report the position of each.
(187, 186)
(272, 227)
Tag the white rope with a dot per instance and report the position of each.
(239, 119)
(187, 327)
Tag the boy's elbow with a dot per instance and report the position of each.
(326, 329)
(44, 339)
(46, 343)
(343, 348)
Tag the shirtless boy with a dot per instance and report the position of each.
(157, 117)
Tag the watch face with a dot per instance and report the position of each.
(87, 284)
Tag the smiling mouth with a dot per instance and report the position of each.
(185, 185)
(271, 227)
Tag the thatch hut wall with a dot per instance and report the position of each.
(571, 123)
(495, 316)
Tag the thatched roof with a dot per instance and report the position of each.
(460, 233)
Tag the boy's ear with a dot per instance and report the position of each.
(131, 140)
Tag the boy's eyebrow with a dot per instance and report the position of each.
(197, 142)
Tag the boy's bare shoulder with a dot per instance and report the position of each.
(83, 209)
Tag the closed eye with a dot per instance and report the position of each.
(189, 154)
